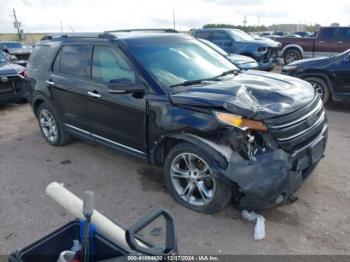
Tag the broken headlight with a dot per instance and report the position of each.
(240, 122)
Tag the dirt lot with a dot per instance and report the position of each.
(125, 188)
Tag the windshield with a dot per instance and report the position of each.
(240, 36)
(13, 45)
(2, 58)
(214, 46)
(171, 63)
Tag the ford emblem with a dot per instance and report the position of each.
(4, 79)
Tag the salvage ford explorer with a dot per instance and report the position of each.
(165, 97)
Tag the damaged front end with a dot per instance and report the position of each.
(267, 167)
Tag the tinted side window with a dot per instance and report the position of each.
(220, 36)
(343, 34)
(38, 56)
(203, 34)
(109, 66)
(327, 34)
(74, 60)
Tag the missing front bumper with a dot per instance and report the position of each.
(275, 176)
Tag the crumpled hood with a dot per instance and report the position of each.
(240, 59)
(10, 69)
(263, 43)
(19, 51)
(252, 94)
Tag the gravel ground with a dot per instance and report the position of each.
(125, 189)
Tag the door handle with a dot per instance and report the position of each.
(50, 82)
(340, 42)
(321, 42)
(94, 94)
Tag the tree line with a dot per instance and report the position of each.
(261, 28)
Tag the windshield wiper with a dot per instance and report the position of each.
(192, 82)
(198, 81)
(232, 71)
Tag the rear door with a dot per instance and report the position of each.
(326, 44)
(69, 85)
(119, 120)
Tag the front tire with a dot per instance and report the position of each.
(50, 126)
(321, 87)
(190, 180)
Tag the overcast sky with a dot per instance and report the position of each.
(98, 15)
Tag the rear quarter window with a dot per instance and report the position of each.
(37, 56)
(203, 34)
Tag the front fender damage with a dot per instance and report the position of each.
(259, 180)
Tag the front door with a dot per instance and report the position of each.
(341, 72)
(118, 119)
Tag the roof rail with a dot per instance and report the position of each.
(164, 30)
(78, 35)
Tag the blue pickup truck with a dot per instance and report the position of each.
(234, 41)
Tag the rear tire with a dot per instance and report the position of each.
(50, 126)
(291, 55)
(321, 87)
(189, 179)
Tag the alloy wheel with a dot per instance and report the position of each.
(192, 179)
(291, 57)
(318, 88)
(48, 125)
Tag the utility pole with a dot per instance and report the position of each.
(17, 25)
(245, 21)
(174, 18)
(61, 27)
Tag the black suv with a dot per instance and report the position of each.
(167, 98)
(330, 76)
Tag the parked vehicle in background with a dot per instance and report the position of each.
(12, 84)
(241, 61)
(281, 33)
(330, 76)
(292, 36)
(17, 49)
(303, 33)
(265, 34)
(235, 41)
(271, 37)
(167, 98)
(329, 41)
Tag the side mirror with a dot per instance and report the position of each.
(136, 244)
(124, 86)
(229, 43)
